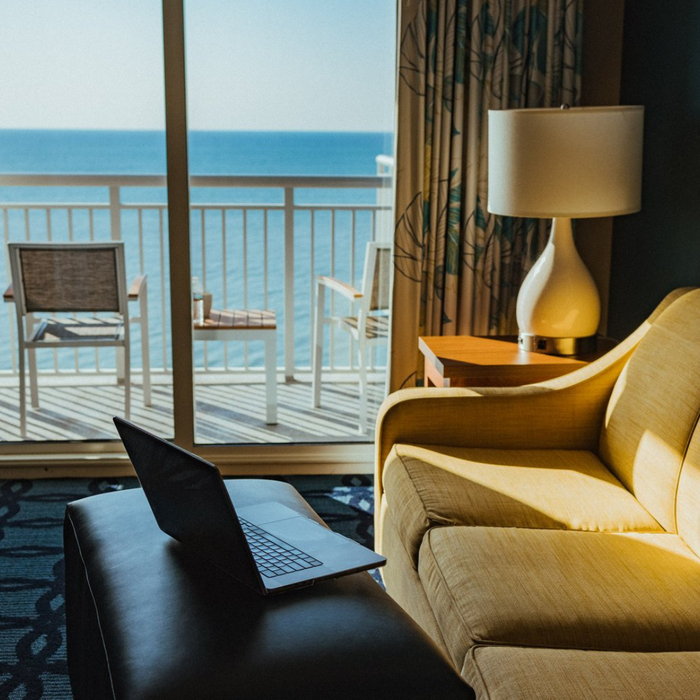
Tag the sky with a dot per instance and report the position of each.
(262, 65)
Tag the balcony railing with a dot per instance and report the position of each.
(257, 242)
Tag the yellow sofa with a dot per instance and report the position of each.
(547, 536)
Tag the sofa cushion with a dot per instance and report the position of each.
(516, 673)
(654, 407)
(564, 489)
(562, 589)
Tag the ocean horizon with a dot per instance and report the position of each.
(76, 151)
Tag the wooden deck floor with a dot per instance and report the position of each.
(226, 412)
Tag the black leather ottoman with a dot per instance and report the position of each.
(148, 619)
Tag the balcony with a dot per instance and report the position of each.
(256, 242)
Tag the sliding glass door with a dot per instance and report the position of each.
(290, 115)
(82, 159)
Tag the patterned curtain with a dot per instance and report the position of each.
(457, 267)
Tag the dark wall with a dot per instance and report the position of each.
(658, 249)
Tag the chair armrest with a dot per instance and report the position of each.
(137, 287)
(562, 413)
(346, 290)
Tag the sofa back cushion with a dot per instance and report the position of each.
(653, 409)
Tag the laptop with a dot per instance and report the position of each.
(268, 547)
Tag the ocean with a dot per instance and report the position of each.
(210, 152)
(247, 269)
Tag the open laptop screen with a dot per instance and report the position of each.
(189, 501)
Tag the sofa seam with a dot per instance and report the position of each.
(452, 598)
(556, 647)
(421, 493)
(435, 525)
(413, 559)
(430, 515)
(691, 432)
(92, 597)
(418, 492)
(431, 522)
(477, 668)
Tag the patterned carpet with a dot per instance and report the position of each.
(32, 632)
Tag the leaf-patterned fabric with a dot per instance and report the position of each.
(457, 267)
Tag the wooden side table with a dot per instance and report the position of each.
(244, 324)
(494, 361)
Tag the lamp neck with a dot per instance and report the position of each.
(562, 234)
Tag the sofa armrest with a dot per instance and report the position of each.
(562, 413)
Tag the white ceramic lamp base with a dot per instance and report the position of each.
(558, 308)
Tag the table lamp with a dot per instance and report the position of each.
(564, 164)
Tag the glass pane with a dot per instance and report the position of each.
(82, 159)
(290, 111)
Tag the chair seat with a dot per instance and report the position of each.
(376, 327)
(77, 330)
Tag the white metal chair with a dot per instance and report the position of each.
(370, 327)
(74, 278)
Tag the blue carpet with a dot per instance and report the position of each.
(32, 629)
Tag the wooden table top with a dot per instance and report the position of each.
(498, 359)
(238, 319)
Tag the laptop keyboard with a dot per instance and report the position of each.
(273, 556)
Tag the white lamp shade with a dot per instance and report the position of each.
(577, 163)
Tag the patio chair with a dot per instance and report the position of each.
(369, 327)
(74, 278)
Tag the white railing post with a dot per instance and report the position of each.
(115, 221)
(288, 283)
(116, 235)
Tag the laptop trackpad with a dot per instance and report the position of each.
(287, 524)
(269, 512)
